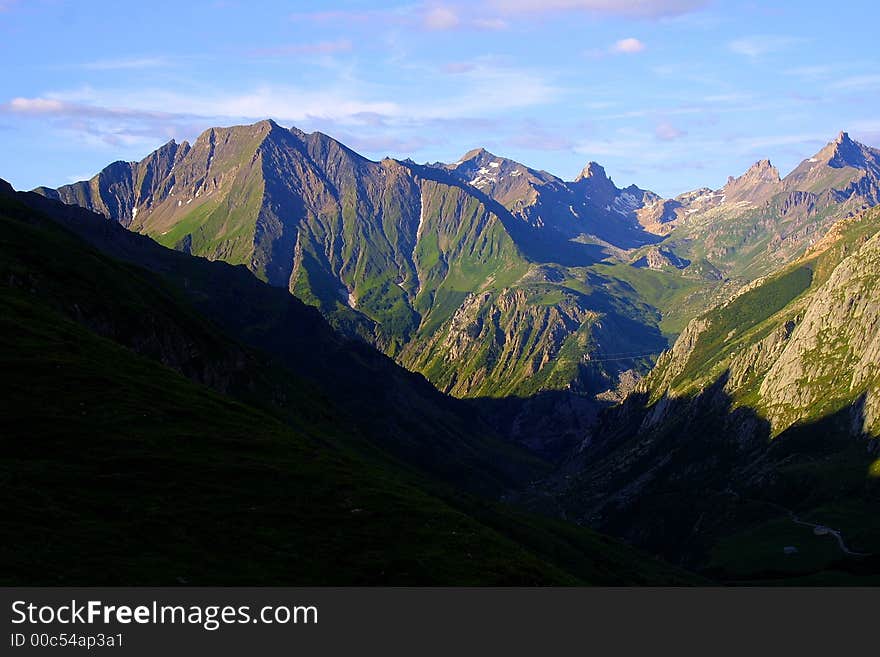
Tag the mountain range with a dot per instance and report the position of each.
(695, 375)
(490, 278)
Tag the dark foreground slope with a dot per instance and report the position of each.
(141, 444)
(385, 405)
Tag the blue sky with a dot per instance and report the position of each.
(668, 94)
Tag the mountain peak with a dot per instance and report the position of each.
(592, 170)
(844, 152)
(765, 170)
(761, 171)
(476, 153)
(760, 180)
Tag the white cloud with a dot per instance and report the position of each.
(532, 135)
(631, 8)
(97, 125)
(810, 72)
(316, 48)
(857, 82)
(486, 89)
(490, 23)
(441, 18)
(126, 64)
(457, 68)
(32, 106)
(732, 97)
(628, 46)
(114, 114)
(665, 131)
(758, 45)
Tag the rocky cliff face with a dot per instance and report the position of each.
(123, 188)
(833, 355)
(799, 344)
(510, 340)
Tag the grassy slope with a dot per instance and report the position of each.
(677, 297)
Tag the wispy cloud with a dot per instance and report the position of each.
(385, 143)
(731, 97)
(810, 72)
(453, 17)
(629, 8)
(762, 44)
(127, 64)
(333, 16)
(857, 82)
(665, 131)
(433, 17)
(628, 46)
(490, 23)
(457, 68)
(760, 143)
(532, 135)
(102, 125)
(487, 90)
(317, 48)
(441, 18)
(482, 92)
(55, 107)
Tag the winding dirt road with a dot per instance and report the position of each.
(821, 530)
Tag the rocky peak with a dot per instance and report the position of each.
(841, 152)
(761, 170)
(267, 124)
(596, 186)
(477, 156)
(758, 181)
(844, 152)
(592, 170)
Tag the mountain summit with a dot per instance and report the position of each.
(757, 183)
(592, 170)
(844, 152)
